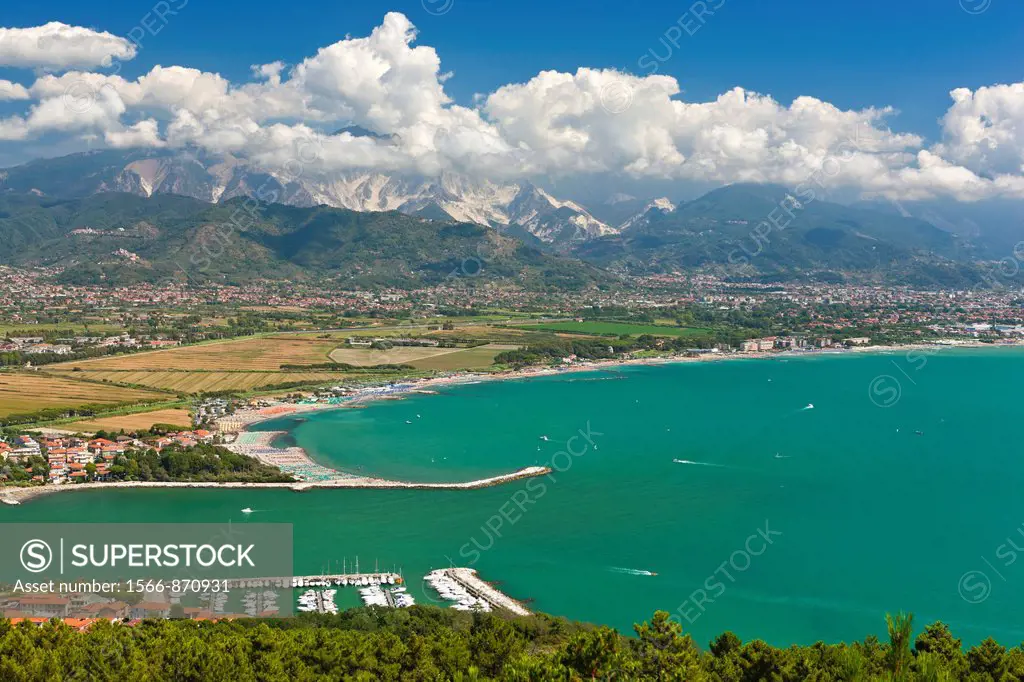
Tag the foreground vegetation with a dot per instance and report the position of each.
(428, 643)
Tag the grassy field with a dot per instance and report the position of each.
(25, 393)
(399, 355)
(197, 382)
(481, 327)
(518, 335)
(262, 353)
(141, 421)
(480, 357)
(616, 328)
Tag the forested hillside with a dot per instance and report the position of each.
(121, 238)
(428, 643)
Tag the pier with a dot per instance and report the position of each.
(322, 580)
(20, 495)
(469, 581)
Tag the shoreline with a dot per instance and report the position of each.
(299, 462)
(16, 496)
(423, 386)
(296, 460)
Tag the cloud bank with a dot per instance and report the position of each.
(593, 121)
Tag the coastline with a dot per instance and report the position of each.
(423, 386)
(296, 460)
(311, 475)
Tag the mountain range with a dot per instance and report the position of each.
(747, 228)
(517, 206)
(163, 199)
(120, 238)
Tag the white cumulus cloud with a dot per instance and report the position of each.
(591, 121)
(12, 91)
(59, 46)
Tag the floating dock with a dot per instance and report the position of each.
(325, 580)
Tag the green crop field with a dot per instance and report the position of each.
(480, 357)
(615, 328)
(399, 355)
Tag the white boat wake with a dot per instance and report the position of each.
(703, 464)
(810, 406)
(630, 571)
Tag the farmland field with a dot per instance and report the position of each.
(517, 334)
(480, 357)
(24, 393)
(245, 354)
(196, 382)
(616, 328)
(462, 331)
(141, 421)
(399, 355)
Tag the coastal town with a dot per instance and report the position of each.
(69, 459)
(30, 298)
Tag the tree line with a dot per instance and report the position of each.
(429, 643)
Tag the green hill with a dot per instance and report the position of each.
(732, 229)
(123, 238)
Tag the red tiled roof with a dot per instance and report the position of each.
(80, 624)
(41, 599)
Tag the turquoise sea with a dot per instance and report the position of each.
(899, 489)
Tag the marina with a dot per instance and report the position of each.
(384, 590)
(314, 601)
(462, 586)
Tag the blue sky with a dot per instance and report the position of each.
(907, 54)
(570, 91)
